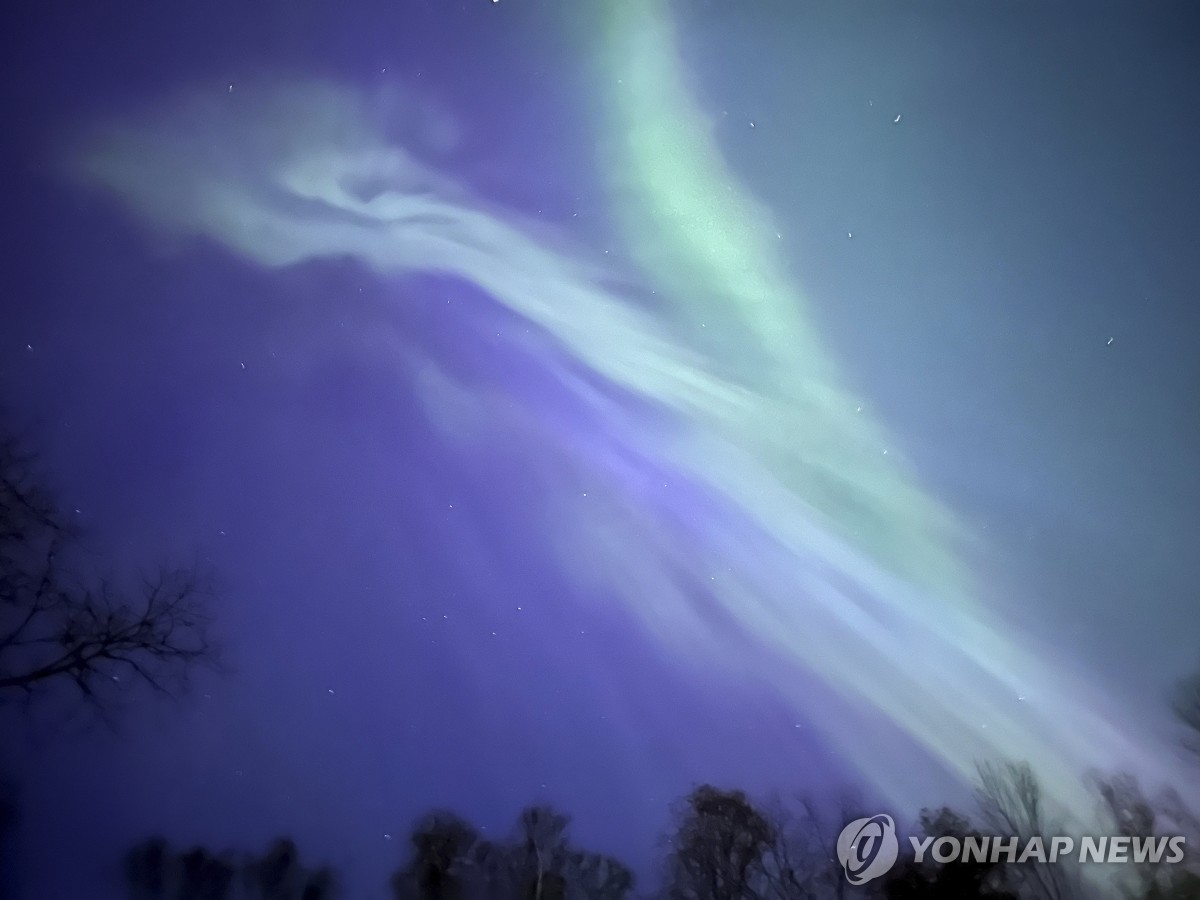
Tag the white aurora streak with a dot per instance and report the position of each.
(833, 560)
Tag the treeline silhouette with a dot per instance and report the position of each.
(720, 845)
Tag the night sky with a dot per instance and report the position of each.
(582, 401)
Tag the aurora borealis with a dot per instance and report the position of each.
(697, 455)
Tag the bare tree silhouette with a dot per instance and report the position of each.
(801, 863)
(1011, 803)
(449, 860)
(1140, 816)
(8, 824)
(441, 862)
(155, 871)
(961, 880)
(719, 846)
(57, 629)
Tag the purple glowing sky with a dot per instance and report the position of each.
(401, 627)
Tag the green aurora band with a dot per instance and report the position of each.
(824, 549)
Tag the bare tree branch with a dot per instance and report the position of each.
(97, 638)
(1011, 802)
